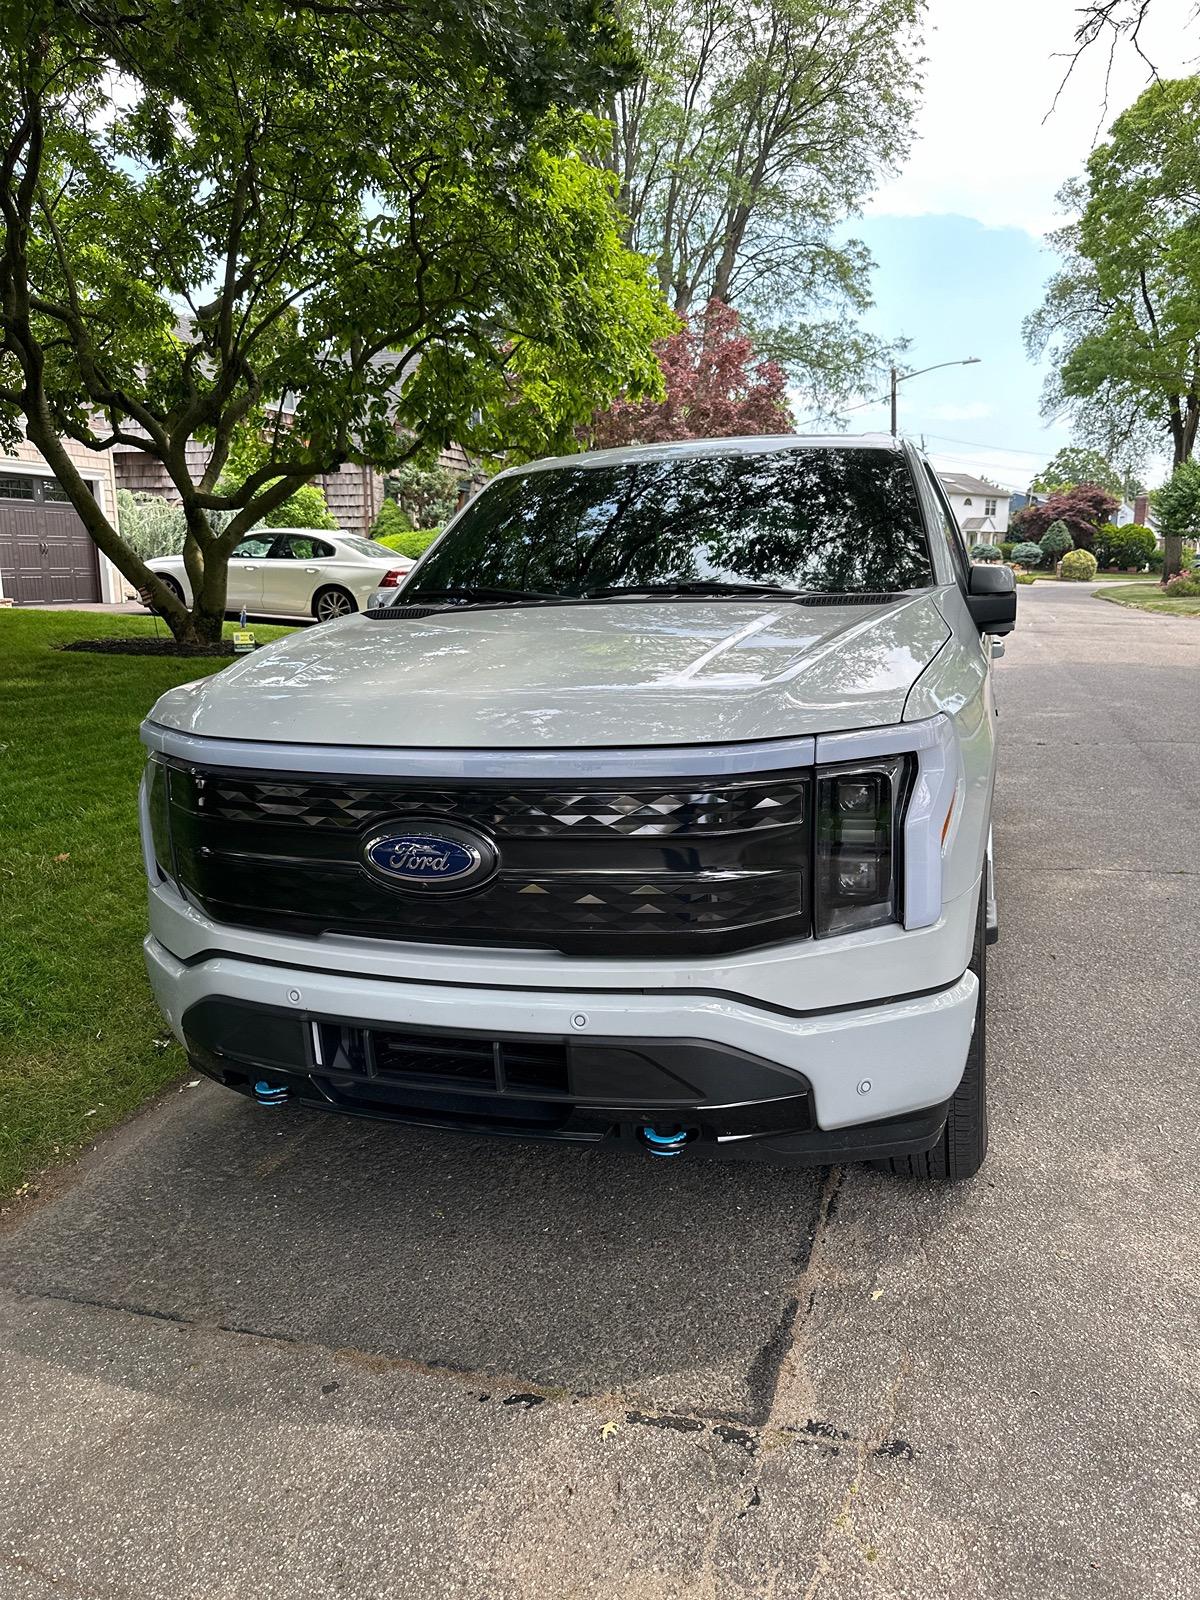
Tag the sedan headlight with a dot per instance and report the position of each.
(859, 812)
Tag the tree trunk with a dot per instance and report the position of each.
(1172, 556)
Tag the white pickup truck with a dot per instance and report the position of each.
(651, 811)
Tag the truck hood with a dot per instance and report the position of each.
(648, 672)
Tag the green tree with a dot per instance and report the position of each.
(1056, 541)
(1121, 319)
(1076, 464)
(758, 127)
(205, 209)
(428, 492)
(1177, 505)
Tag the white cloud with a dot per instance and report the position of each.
(986, 147)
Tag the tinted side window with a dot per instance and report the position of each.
(252, 549)
(953, 534)
(299, 547)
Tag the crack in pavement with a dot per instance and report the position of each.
(505, 1389)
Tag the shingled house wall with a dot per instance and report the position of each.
(354, 494)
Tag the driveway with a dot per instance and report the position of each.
(257, 1354)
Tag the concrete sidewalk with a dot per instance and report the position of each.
(244, 1358)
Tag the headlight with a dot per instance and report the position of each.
(858, 815)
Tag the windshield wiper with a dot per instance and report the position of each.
(472, 592)
(691, 586)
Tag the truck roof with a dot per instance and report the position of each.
(752, 444)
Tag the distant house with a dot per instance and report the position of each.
(982, 508)
(1139, 511)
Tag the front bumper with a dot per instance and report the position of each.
(745, 1081)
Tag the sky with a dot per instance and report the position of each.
(958, 235)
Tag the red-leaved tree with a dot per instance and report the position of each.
(1084, 509)
(716, 388)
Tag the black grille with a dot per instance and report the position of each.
(598, 868)
(445, 1059)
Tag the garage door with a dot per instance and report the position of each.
(45, 551)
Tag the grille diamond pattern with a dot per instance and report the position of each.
(615, 868)
(595, 813)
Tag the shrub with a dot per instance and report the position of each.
(985, 552)
(1006, 550)
(1027, 554)
(392, 518)
(412, 544)
(1186, 586)
(1131, 546)
(1079, 566)
(1156, 561)
(1056, 541)
(1024, 577)
(150, 523)
(1105, 544)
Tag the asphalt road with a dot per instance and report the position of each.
(250, 1358)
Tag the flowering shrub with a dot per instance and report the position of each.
(1184, 586)
(1078, 565)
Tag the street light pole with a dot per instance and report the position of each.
(899, 377)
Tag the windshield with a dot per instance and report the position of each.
(826, 520)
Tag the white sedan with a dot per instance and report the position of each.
(294, 572)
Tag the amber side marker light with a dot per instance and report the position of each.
(946, 824)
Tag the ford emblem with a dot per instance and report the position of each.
(431, 858)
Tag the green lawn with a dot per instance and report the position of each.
(81, 1043)
(1100, 577)
(1149, 597)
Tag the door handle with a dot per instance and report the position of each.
(249, 569)
(43, 549)
(311, 571)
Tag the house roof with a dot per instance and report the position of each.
(964, 483)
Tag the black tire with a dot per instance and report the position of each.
(959, 1152)
(169, 584)
(332, 602)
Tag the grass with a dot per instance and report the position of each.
(81, 1042)
(1099, 577)
(1149, 597)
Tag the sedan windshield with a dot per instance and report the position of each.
(708, 526)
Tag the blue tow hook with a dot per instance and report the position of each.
(270, 1094)
(663, 1144)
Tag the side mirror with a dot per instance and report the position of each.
(992, 599)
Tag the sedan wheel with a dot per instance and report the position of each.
(333, 603)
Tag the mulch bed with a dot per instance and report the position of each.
(147, 647)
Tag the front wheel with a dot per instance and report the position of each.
(330, 604)
(169, 585)
(960, 1151)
